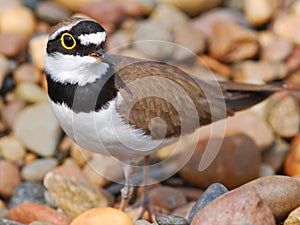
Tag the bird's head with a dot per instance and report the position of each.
(72, 51)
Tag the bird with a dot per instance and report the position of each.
(126, 107)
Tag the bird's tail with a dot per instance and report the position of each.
(239, 96)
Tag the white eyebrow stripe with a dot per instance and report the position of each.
(95, 38)
(67, 28)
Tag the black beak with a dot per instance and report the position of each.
(105, 57)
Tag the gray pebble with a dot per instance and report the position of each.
(28, 192)
(211, 193)
(9, 222)
(171, 219)
(154, 40)
(40, 223)
(36, 170)
(51, 12)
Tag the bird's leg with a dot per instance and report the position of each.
(145, 204)
(127, 190)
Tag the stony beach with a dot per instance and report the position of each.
(254, 178)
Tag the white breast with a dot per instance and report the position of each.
(105, 132)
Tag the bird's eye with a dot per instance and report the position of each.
(68, 41)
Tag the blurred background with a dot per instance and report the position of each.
(254, 41)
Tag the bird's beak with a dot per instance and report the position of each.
(102, 56)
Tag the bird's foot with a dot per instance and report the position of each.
(143, 209)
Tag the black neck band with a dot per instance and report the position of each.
(90, 97)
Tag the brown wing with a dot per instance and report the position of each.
(164, 101)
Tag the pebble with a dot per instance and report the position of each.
(101, 216)
(10, 178)
(259, 72)
(7, 5)
(232, 43)
(4, 67)
(191, 193)
(276, 154)
(74, 197)
(236, 153)
(281, 193)
(29, 131)
(18, 20)
(29, 212)
(260, 12)
(36, 170)
(71, 171)
(11, 110)
(51, 12)
(167, 197)
(154, 40)
(266, 170)
(142, 222)
(170, 219)
(26, 72)
(284, 106)
(133, 8)
(236, 207)
(11, 148)
(293, 61)
(40, 223)
(293, 218)
(194, 7)
(211, 193)
(37, 50)
(292, 165)
(12, 44)
(205, 22)
(31, 93)
(216, 66)
(107, 13)
(184, 210)
(9, 222)
(170, 16)
(118, 40)
(71, 5)
(27, 192)
(190, 42)
(80, 155)
(3, 211)
(101, 170)
(284, 27)
(247, 122)
(29, 157)
(276, 51)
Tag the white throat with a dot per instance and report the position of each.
(74, 69)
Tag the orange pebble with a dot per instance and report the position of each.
(105, 216)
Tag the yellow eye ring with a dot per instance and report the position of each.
(68, 41)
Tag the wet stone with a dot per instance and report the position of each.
(27, 192)
(211, 193)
